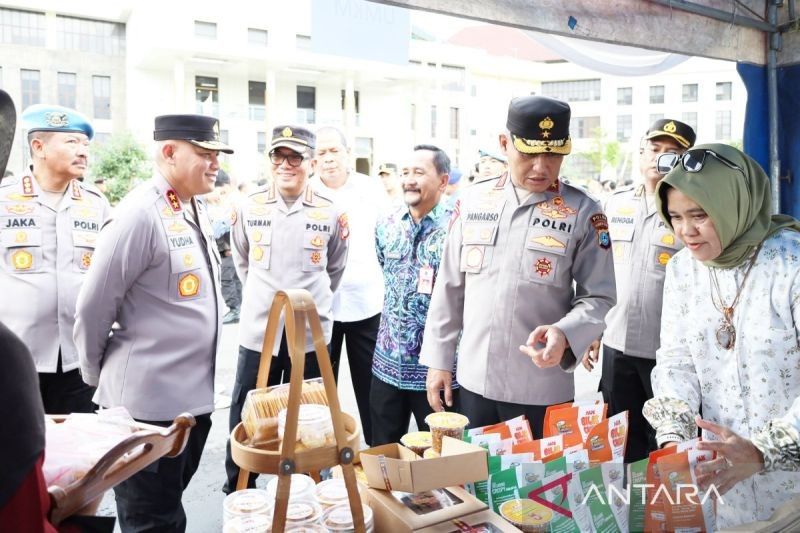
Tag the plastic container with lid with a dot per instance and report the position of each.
(253, 523)
(246, 502)
(445, 424)
(310, 528)
(430, 453)
(332, 492)
(302, 488)
(314, 426)
(527, 515)
(417, 442)
(339, 519)
(303, 513)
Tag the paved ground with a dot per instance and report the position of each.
(203, 498)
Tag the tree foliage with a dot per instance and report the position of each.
(122, 162)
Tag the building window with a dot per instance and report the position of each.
(722, 124)
(302, 42)
(689, 92)
(624, 127)
(95, 36)
(66, 89)
(573, 91)
(206, 95)
(724, 90)
(433, 121)
(205, 30)
(100, 137)
(355, 97)
(261, 142)
(22, 27)
(455, 123)
(31, 87)
(306, 104)
(655, 116)
(690, 118)
(625, 96)
(257, 37)
(656, 94)
(584, 127)
(101, 93)
(454, 78)
(257, 99)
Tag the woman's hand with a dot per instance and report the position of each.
(737, 458)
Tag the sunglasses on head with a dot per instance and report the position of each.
(691, 161)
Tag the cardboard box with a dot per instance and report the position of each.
(401, 512)
(483, 522)
(405, 471)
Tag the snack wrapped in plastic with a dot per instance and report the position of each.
(75, 445)
(314, 427)
(261, 408)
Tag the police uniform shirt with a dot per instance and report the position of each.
(156, 273)
(277, 248)
(642, 246)
(46, 253)
(508, 268)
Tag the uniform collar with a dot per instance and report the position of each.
(511, 194)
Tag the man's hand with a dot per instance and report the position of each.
(552, 343)
(737, 458)
(434, 383)
(592, 355)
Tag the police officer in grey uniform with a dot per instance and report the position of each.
(642, 246)
(285, 236)
(156, 274)
(49, 222)
(517, 244)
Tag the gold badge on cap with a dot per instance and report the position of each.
(670, 127)
(22, 260)
(56, 119)
(189, 285)
(287, 132)
(546, 124)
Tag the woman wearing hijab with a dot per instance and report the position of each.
(729, 331)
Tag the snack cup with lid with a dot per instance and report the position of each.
(445, 424)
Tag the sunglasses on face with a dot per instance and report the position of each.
(691, 161)
(294, 159)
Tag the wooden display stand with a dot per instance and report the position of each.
(118, 464)
(300, 309)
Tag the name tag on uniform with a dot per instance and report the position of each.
(425, 282)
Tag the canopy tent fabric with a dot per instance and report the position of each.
(756, 127)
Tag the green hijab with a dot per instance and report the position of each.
(740, 206)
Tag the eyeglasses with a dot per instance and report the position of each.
(691, 161)
(294, 159)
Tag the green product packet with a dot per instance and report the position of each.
(637, 478)
(481, 488)
(553, 471)
(596, 498)
(502, 487)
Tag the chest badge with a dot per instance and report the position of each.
(257, 236)
(317, 241)
(86, 260)
(543, 267)
(20, 209)
(258, 253)
(550, 242)
(316, 257)
(188, 260)
(668, 239)
(22, 260)
(21, 237)
(663, 258)
(188, 285)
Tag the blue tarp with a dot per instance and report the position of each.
(756, 127)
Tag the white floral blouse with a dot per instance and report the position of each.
(754, 389)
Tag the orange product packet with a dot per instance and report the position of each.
(518, 429)
(607, 440)
(574, 423)
(687, 509)
(541, 448)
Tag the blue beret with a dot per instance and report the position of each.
(455, 176)
(42, 117)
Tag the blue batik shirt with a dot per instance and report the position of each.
(404, 248)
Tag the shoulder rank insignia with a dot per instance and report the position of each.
(27, 186)
(555, 186)
(173, 201)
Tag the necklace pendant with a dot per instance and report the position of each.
(726, 335)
